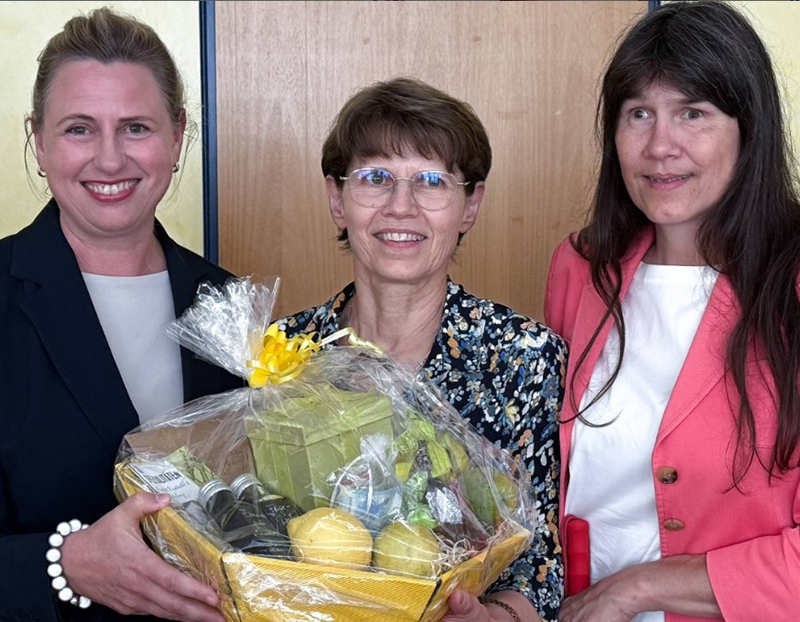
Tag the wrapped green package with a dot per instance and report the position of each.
(299, 442)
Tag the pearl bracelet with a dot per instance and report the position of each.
(56, 571)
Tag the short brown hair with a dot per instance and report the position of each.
(407, 114)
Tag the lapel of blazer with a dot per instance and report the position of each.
(591, 309)
(199, 378)
(58, 305)
(704, 366)
(589, 313)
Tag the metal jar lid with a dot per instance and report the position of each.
(242, 481)
(209, 489)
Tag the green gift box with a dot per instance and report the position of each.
(299, 442)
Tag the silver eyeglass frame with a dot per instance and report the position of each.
(411, 187)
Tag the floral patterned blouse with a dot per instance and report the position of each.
(505, 373)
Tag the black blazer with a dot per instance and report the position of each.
(63, 406)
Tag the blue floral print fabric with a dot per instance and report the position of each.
(504, 372)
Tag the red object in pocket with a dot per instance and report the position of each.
(578, 561)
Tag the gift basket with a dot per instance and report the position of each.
(338, 486)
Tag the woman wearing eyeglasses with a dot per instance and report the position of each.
(405, 166)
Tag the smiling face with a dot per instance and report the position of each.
(677, 157)
(401, 242)
(108, 146)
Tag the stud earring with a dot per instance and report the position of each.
(176, 168)
(40, 172)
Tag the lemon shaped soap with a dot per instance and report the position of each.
(406, 550)
(331, 537)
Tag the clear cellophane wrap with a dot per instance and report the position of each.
(340, 485)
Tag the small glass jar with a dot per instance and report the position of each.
(276, 509)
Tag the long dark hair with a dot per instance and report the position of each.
(710, 52)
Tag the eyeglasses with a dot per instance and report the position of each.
(374, 187)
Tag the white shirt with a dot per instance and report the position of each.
(611, 473)
(134, 312)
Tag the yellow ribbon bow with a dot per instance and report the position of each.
(282, 358)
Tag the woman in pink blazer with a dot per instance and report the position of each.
(679, 301)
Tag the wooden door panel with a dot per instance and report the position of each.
(530, 70)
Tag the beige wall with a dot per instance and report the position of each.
(25, 28)
(779, 25)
